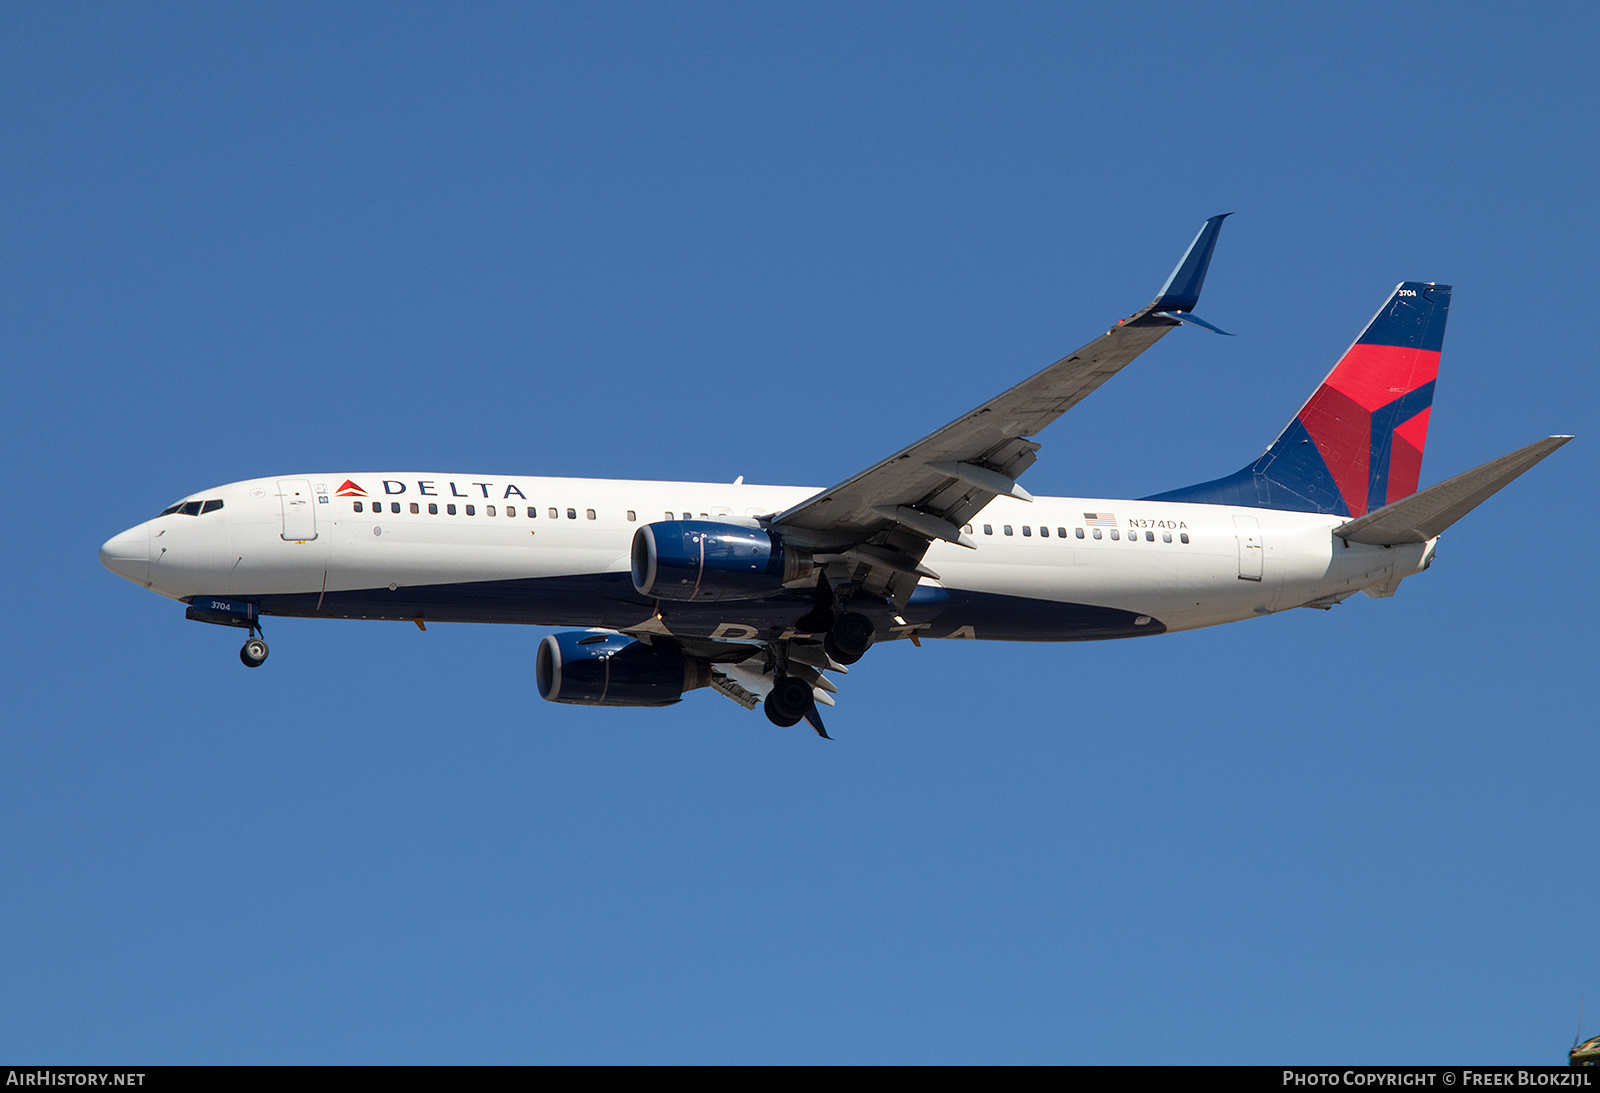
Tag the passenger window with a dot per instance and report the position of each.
(1078, 532)
(415, 508)
(1044, 533)
(358, 506)
(1166, 536)
(1183, 536)
(555, 514)
(470, 511)
(1149, 536)
(669, 516)
(589, 513)
(211, 506)
(1061, 533)
(488, 510)
(967, 528)
(631, 516)
(1097, 533)
(988, 529)
(572, 514)
(688, 516)
(450, 510)
(1027, 530)
(394, 506)
(1006, 528)
(433, 509)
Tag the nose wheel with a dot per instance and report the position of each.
(253, 653)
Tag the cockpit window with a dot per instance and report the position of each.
(191, 508)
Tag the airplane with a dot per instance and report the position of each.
(763, 593)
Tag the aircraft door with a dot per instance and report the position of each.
(1247, 529)
(299, 509)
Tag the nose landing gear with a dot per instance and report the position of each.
(253, 653)
(240, 613)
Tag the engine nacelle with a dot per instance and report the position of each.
(701, 560)
(600, 669)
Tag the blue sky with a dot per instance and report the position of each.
(700, 241)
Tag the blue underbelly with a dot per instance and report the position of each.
(609, 600)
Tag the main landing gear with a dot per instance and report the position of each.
(849, 637)
(846, 637)
(789, 700)
(253, 653)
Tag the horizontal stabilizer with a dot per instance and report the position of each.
(1421, 516)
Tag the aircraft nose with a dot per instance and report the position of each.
(128, 555)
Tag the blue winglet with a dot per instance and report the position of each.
(1185, 317)
(1182, 290)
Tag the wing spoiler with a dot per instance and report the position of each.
(1425, 514)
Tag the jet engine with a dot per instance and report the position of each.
(703, 560)
(604, 669)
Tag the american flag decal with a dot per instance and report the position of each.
(1100, 519)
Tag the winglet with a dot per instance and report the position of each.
(1182, 290)
(1191, 319)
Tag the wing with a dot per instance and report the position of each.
(880, 522)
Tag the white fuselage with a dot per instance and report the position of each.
(334, 545)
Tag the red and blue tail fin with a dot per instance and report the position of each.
(1357, 443)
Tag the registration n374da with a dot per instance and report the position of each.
(765, 593)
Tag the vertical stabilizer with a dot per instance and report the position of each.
(1357, 443)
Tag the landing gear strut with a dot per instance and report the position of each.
(253, 653)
